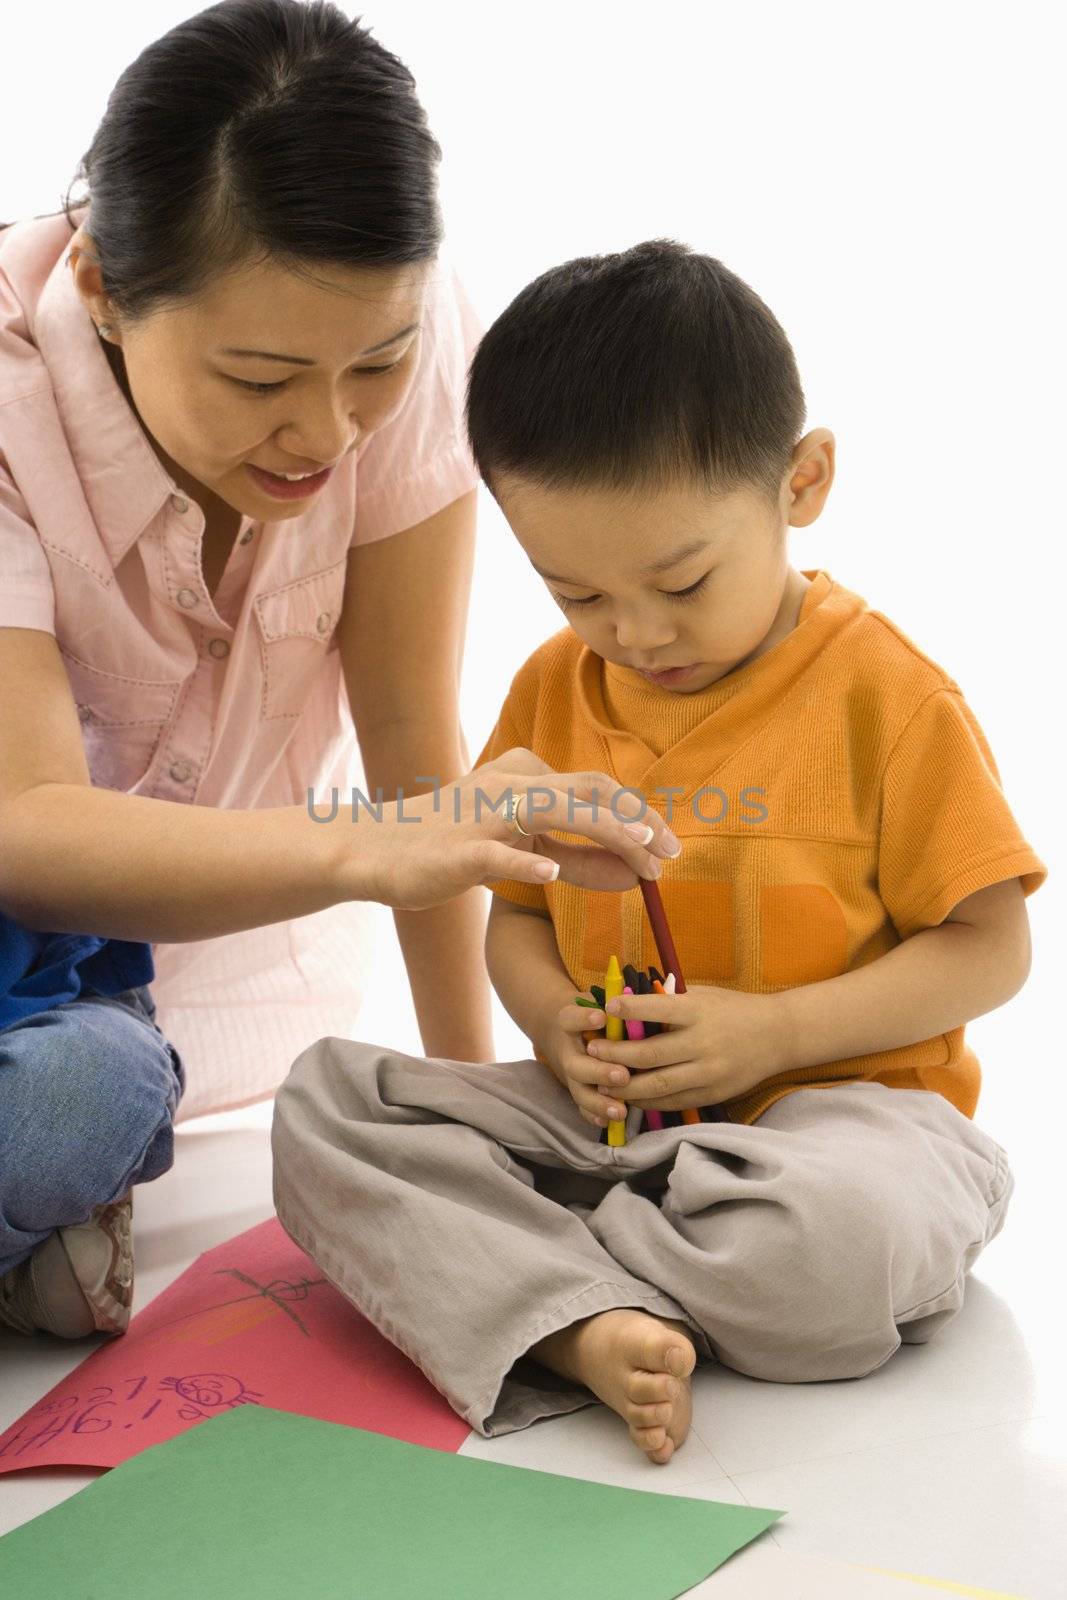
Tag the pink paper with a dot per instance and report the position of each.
(252, 1322)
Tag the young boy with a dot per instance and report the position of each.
(850, 892)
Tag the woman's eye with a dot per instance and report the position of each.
(268, 388)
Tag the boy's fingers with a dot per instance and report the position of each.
(639, 1055)
(649, 1008)
(681, 1082)
(578, 1065)
(581, 1019)
(595, 1104)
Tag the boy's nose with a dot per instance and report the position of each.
(644, 634)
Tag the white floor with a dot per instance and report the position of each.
(950, 1462)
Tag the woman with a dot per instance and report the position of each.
(233, 482)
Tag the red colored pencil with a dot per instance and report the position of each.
(661, 932)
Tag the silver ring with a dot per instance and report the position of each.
(511, 816)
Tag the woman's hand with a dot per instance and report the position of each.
(720, 1043)
(434, 846)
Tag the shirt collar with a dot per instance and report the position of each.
(124, 481)
(737, 704)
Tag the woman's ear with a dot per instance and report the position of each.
(88, 280)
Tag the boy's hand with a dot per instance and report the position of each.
(564, 1050)
(720, 1043)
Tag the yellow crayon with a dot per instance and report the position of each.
(613, 985)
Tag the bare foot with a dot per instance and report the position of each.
(637, 1364)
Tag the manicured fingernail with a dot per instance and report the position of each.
(671, 844)
(639, 831)
(547, 869)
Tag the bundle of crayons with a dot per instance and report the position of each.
(634, 980)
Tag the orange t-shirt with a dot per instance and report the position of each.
(833, 797)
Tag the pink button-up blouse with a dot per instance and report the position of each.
(232, 700)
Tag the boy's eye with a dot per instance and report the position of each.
(685, 594)
(268, 388)
(668, 594)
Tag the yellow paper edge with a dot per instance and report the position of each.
(953, 1588)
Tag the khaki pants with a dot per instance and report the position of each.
(468, 1211)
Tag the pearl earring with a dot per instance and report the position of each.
(104, 328)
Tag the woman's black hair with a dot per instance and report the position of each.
(257, 129)
(636, 370)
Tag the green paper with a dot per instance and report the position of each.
(259, 1502)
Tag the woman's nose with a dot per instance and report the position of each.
(324, 429)
(329, 425)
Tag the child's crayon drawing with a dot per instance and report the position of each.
(234, 1330)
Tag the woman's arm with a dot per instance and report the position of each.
(402, 634)
(79, 859)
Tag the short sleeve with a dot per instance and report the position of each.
(514, 726)
(420, 461)
(947, 830)
(27, 597)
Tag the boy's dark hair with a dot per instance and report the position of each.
(635, 370)
(258, 129)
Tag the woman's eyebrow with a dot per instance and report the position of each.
(303, 361)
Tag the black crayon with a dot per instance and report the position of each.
(646, 988)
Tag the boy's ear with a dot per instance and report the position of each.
(812, 477)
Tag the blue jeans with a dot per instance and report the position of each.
(88, 1092)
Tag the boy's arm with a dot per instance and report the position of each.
(525, 967)
(934, 981)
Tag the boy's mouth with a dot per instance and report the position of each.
(669, 675)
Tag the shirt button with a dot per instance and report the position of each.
(181, 771)
(246, 536)
(179, 502)
(219, 648)
(84, 713)
(322, 621)
(186, 598)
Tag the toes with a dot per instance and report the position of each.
(655, 1442)
(651, 1440)
(651, 1388)
(649, 1416)
(665, 1350)
(680, 1358)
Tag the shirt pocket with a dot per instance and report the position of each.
(122, 720)
(297, 625)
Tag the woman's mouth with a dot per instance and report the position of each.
(280, 488)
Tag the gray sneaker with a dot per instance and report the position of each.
(79, 1280)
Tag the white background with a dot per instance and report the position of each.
(886, 180)
(890, 181)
